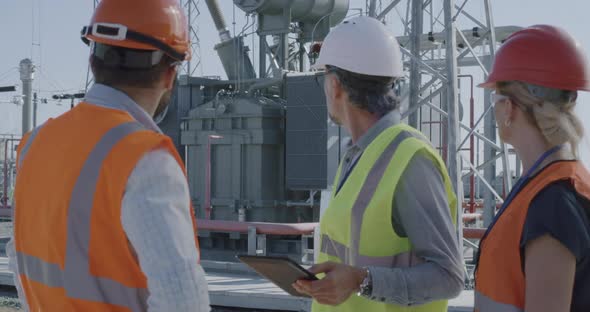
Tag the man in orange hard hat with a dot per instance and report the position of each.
(103, 218)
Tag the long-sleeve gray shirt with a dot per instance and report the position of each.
(420, 213)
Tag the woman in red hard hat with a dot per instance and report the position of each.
(535, 255)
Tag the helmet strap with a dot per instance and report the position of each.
(126, 58)
(117, 32)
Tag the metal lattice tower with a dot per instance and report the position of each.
(441, 39)
(193, 13)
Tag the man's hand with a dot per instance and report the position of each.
(340, 282)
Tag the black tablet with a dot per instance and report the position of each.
(282, 271)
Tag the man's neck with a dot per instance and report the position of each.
(358, 122)
(145, 98)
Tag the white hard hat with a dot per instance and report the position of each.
(362, 45)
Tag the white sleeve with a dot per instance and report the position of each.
(156, 218)
(13, 267)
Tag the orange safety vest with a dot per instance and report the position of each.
(72, 251)
(500, 282)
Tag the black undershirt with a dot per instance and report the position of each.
(558, 210)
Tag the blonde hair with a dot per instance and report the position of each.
(554, 118)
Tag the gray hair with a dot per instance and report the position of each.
(374, 94)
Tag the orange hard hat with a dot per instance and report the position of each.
(541, 55)
(142, 25)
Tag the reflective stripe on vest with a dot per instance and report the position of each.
(76, 278)
(485, 304)
(352, 256)
(27, 146)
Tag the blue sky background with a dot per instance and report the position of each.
(48, 32)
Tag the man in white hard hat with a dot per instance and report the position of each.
(389, 236)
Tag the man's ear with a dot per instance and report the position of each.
(170, 76)
(336, 87)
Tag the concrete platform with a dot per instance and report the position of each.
(242, 289)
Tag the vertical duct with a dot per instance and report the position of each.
(232, 51)
(218, 19)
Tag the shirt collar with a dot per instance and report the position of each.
(391, 119)
(105, 96)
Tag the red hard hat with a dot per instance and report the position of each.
(541, 55)
(141, 24)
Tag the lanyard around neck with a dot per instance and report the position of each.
(519, 185)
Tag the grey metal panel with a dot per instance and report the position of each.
(314, 144)
(181, 103)
(246, 162)
(306, 134)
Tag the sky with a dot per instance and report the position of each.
(47, 31)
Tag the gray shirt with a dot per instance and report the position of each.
(421, 213)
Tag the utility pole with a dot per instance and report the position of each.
(26, 76)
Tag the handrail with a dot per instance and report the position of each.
(288, 228)
(261, 227)
(473, 233)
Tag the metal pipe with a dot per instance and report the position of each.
(301, 56)
(470, 48)
(218, 19)
(459, 9)
(26, 76)
(472, 131)
(473, 233)
(35, 110)
(387, 9)
(452, 101)
(309, 203)
(483, 138)
(208, 207)
(472, 144)
(430, 41)
(477, 158)
(262, 56)
(5, 169)
(444, 133)
(285, 228)
(491, 188)
(261, 227)
(484, 165)
(490, 123)
(431, 70)
(473, 19)
(373, 8)
(5, 172)
(284, 51)
(415, 72)
(208, 183)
